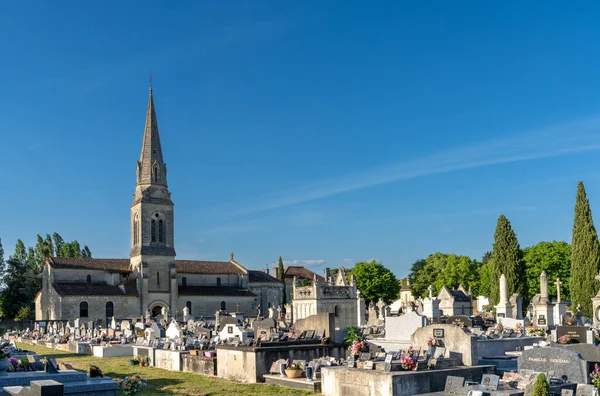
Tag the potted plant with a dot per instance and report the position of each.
(132, 384)
(143, 360)
(294, 370)
(133, 362)
(432, 343)
(595, 375)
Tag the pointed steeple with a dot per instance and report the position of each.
(151, 168)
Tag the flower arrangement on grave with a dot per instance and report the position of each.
(407, 362)
(536, 332)
(358, 347)
(293, 370)
(564, 340)
(433, 342)
(595, 375)
(132, 384)
(13, 363)
(518, 328)
(500, 328)
(410, 351)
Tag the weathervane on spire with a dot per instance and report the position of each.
(150, 81)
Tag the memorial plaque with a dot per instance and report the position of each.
(389, 357)
(380, 356)
(490, 381)
(320, 334)
(351, 363)
(554, 360)
(566, 392)
(453, 383)
(438, 333)
(310, 334)
(541, 320)
(585, 390)
(364, 356)
(369, 365)
(460, 320)
(577, 334)
(501, 315)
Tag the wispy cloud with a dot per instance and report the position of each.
(34, 146)
(304, 263)
(548, 142)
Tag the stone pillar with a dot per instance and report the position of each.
(543, 287)
(360, 310)
(504, 308)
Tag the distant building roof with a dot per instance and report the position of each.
(214, 291)
(460, 296)
(261, 276)
(91, 289)
(122, 265)
(301, 272)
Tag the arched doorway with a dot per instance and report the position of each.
(156, 311)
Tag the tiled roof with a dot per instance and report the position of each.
(90, 289)
(214, 291)
(109, 265)
(459, 296)
(261, 276)
(130, 286)
(207, 267)
(301, 272)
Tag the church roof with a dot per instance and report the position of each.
(90, 289)
(261, 276)
(214, 291)
(301, 272)
(102, 264)
(151, 154)
(207, 267)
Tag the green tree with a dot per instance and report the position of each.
(540, 386)
(281, 276)
(585, 254)
(507, 259)
(486, 278)
(554, 258)
(440, 269)
(2, 264)
(374, 281)
(422, 274)
(58, 244)
(25, 313)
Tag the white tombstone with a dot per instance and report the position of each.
(150, 334)
(431, 306)
(381, 308)
(504, 309)
(186, 314)
(113, 323)
(361, 310)
(164, 312)
(232, 331)
(560, 308)
(174, 331)
(271, 312)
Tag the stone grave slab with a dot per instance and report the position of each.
(556, 362)
(275, 366)
(575, 333)
(490, 381)
(585, 390)
(320, 334)
(453, 383)
(459, 320)
(401, 328)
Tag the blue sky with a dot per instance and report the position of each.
(324, 132)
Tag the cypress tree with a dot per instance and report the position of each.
(585, 254)
(281, 276)
(507, 259)
(540, 386)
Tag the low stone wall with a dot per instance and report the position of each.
(112, 351)
(168, 360)
(62, 347)
(359, 382)
(248, 364)
(199, 365)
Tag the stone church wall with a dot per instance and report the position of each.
(77, 275)
(265, 294)
(206, 306)
(124, 307)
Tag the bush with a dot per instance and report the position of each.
(25, 313)
(540, 386)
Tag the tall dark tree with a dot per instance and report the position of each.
(507, 259)
(281, 276)
(58, 244)
(585, 255)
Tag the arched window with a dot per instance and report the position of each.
(337, 311)
(218, 282)
(89, 279)
(110, 309)
(223, 306)
(153, 230)
(136, 230)
(184, 281)
(189, 306)
(161, 233)
(158, 279)
(155, 171)
(269, 305)
(83, 310)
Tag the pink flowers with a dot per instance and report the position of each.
(358, 347)
(132, 384)
(433, 342)
(407, 362)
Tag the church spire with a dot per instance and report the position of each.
(151, 168)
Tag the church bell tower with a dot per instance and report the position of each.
(152, 254)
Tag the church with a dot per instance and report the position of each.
(96, 289)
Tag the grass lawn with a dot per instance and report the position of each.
(161, 382)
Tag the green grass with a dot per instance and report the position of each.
(162, 382)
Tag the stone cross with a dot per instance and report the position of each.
(558, 283)
(430, 288)
(381, 306)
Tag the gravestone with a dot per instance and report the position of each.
(364, 356)
(400, 328)
(453, 383)
(310, 334)
(351, 363)
(585, 390)
(555, 361)
(577, 334)
(490, 381)
(320, 334)
(439, 353)
(566, 392)
(276, 364)
(459, 320)
(258, 324)
(369, 364)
